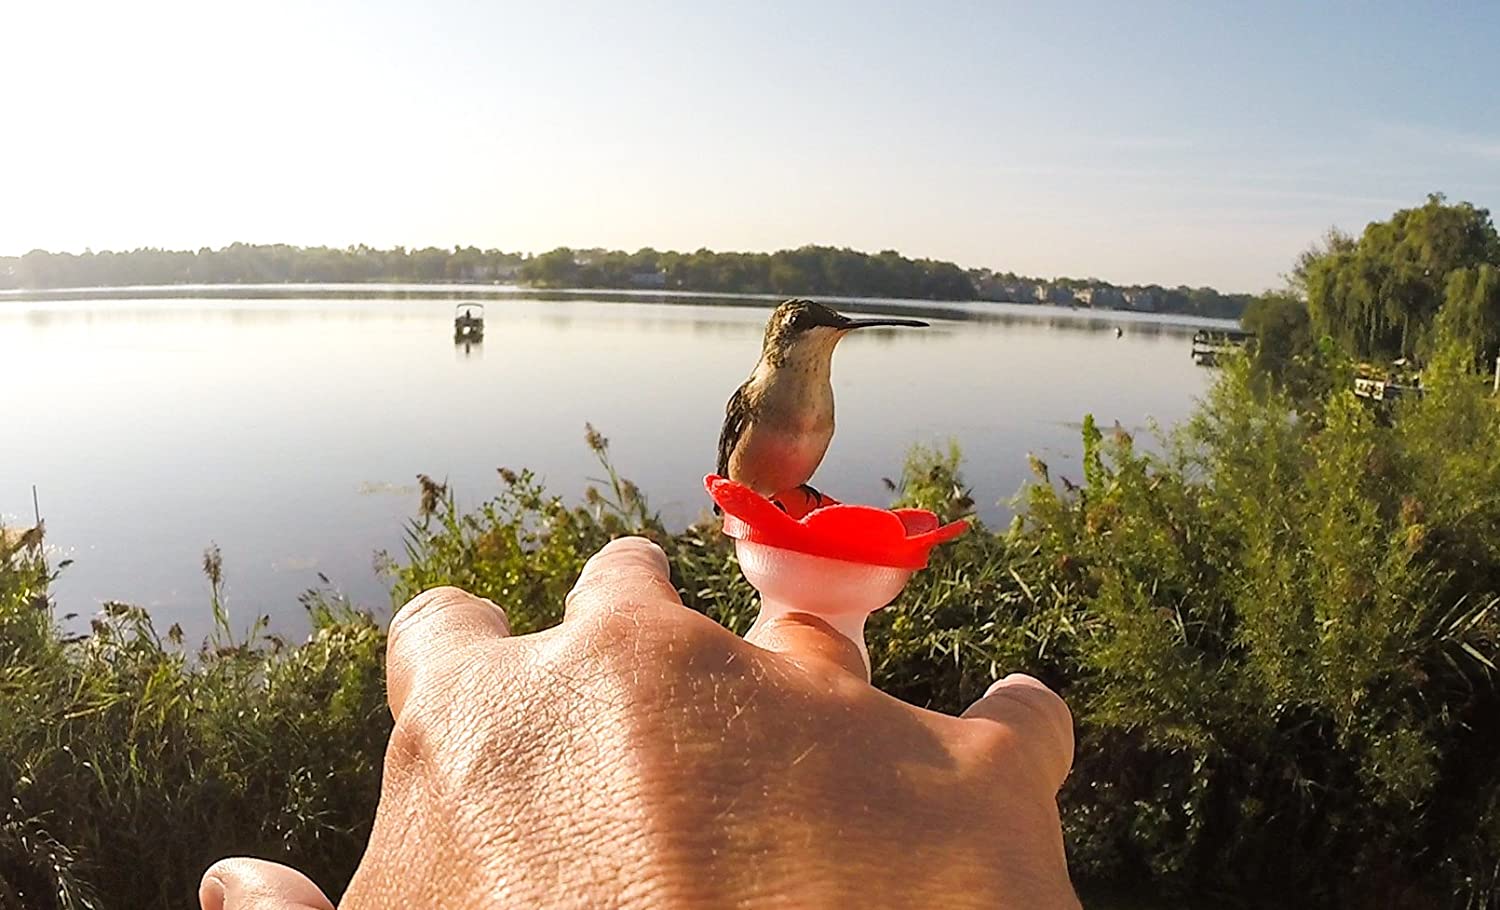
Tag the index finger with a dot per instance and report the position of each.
(433, 629)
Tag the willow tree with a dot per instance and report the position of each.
(1379, 296)
(1471, 310)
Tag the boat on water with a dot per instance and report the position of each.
(468, 323)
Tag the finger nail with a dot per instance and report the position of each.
(1014, 679)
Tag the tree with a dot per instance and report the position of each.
(1471, 311)
(1379, 296)
(1284, 342)
(555, 269)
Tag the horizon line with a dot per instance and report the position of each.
(527, 255)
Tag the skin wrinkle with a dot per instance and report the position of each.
(399, 816)
(591, 741)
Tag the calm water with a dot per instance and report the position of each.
(289, 430)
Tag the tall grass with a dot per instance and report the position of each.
(129, 763)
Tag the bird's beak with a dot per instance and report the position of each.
(873, 323)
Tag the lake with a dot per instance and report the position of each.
(288, 424)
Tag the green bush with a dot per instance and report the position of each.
(1283, 666)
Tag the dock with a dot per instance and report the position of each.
(1211, 344)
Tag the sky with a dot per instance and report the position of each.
(1185, 143)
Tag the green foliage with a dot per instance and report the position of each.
(1284, 351)
(1286, 630)
(1471, 311)
(556, 269)
(805, 270)
(931, 480)
(523, 548)
(1380, 295)
(128, 766)
(244, 263)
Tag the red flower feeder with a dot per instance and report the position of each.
(837, 562)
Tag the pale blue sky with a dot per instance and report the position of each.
(1176, 143)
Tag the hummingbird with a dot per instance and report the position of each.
(777, 425)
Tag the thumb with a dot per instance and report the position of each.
(255, 884)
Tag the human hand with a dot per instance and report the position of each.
(640, 755)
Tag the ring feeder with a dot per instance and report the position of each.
(824, 558)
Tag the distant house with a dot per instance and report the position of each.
(1142, 299)
(1102, 297)
(1053, 293)
(988, 287)
(656, 279)
(1003, 290)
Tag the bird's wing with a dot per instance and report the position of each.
(735, 416)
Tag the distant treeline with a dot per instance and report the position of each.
(810, 270)
(806, 270)
(243, 263)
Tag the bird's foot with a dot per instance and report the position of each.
(799, 500)
(809, 491)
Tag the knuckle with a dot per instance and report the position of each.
(413, 738)
(620, 582)
(1037, 701)
(994, 738)
(426, 602)
(224, 870)
(625, 595)
(448, 607)
(628, 632)
(622, 624)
